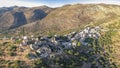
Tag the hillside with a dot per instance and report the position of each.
(92, 47)
(13, 17)
(72, 17)
(71, 36)
(60, 20)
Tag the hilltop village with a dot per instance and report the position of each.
(84, 48)
(69, 36)
(55, 45)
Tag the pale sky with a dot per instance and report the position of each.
(51, 3)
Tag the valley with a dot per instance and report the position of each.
(71, 36)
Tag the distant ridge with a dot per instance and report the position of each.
(48, 20)
(13, 17)
(74, 17)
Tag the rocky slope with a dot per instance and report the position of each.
(72, 17)
(102, 52)
(92, 47)
(12, 17)
(58, 20)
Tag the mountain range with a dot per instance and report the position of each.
(91, 29)
(46, 20)
(14, 17)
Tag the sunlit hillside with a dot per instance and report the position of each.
(71, 36)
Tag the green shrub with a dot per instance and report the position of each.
(41, 63)
(1, 53)
(78, 44)
(13, 48)
(27, 55)
(5, 43)
(12, 54)
(18, 64)
(70, 52)
(38, 63)
(18, 41)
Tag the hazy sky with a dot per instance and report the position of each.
(51, 3)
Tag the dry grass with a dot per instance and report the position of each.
(19, 55)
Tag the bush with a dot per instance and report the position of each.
(37, 63)
(5, 43)
(1, 53)
(12, 54)
(13, 48)
(27, 55)
(78, 44)
(18, 64)
(18, 41)
(70, 52)
(41, 63)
